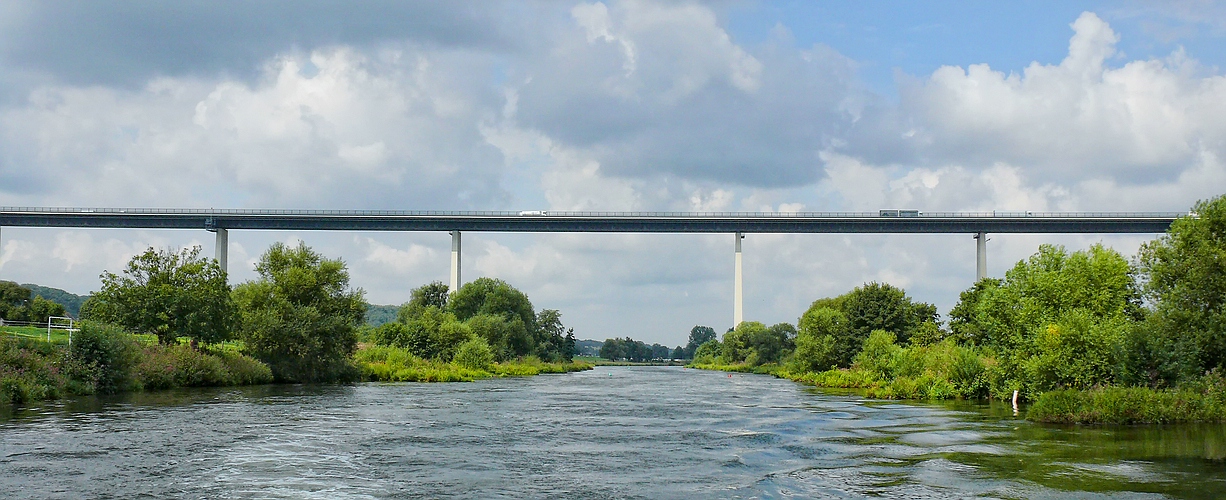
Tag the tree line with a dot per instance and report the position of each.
(301, 317)
(1059, 319)
(486, 319)
(20, 303)
(628, 349)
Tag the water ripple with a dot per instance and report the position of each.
(614, 432)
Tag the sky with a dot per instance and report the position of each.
(614, 106)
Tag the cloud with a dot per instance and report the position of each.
(127, 44)
(621, 105)
(650, 89)
(398, 128)
(1081, 119)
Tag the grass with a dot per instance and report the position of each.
(393, 364)
(1200, 401)
(35, 333)
(1203, 400)
(104, 359)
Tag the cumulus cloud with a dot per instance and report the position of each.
(619, 105)
(398, 128)
(1080, 119)
(650, 88)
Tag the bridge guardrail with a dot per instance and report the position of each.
(554, 214)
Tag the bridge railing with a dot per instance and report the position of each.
(593, 214)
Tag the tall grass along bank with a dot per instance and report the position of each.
(104, 359)
(395, 364)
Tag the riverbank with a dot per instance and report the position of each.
(105, 360)
(391, 364)
(598, 361)
(1202, 401)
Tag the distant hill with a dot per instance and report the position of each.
(588, 347)
(377, 315)
(71, 301)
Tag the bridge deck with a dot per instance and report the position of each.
(606, 222)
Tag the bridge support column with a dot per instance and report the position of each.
(737, 295)
(981, 256)
(455, 262)
(222, 249)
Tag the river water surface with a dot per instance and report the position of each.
(613, 432)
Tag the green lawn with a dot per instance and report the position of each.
(40, 333)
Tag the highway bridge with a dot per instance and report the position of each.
(221, 221)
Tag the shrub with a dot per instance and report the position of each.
(1079, 352)
(878, 355)
(179, 365)
(104, 356)
(707, 352)
(474, 354)
(1200, 401)
(243, 370)
(29, 371)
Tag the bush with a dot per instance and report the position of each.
(707, 352)
(244, 370)
(103, 356)
(300, 317)
(474, 354)
(1200, 401)
(1080, 352)
(29, 371)
(878, 355)
(179, 365)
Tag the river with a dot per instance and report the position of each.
(613, 432)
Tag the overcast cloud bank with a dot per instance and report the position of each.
(590, 106)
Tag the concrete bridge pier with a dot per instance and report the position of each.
(981, 256)
(222, 249)
(455, 262)
(737, 294)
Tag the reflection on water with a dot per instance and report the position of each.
(614, 432)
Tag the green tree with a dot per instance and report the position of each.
(815, 339)
(498, 332)
(41, 309)
(300, 317)
(966, 330)
(432, 334)
(474, 353)
(737, 345)
(678, 353)
(168, 294)
(612, 349)
(430, 294)
(13, 299)
(496, 297)
(873, 306)
(491, 296)
(881, 306)
(1057, 320)
(708, 352)
(774, 343)
(659, 351)
(551, 343)
(1184, 275)
(569, 349)
(699, 335)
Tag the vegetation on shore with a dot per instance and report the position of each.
(105, 360)
(1086, 336)
(395, 364)
(20, 304)
(171, 320)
